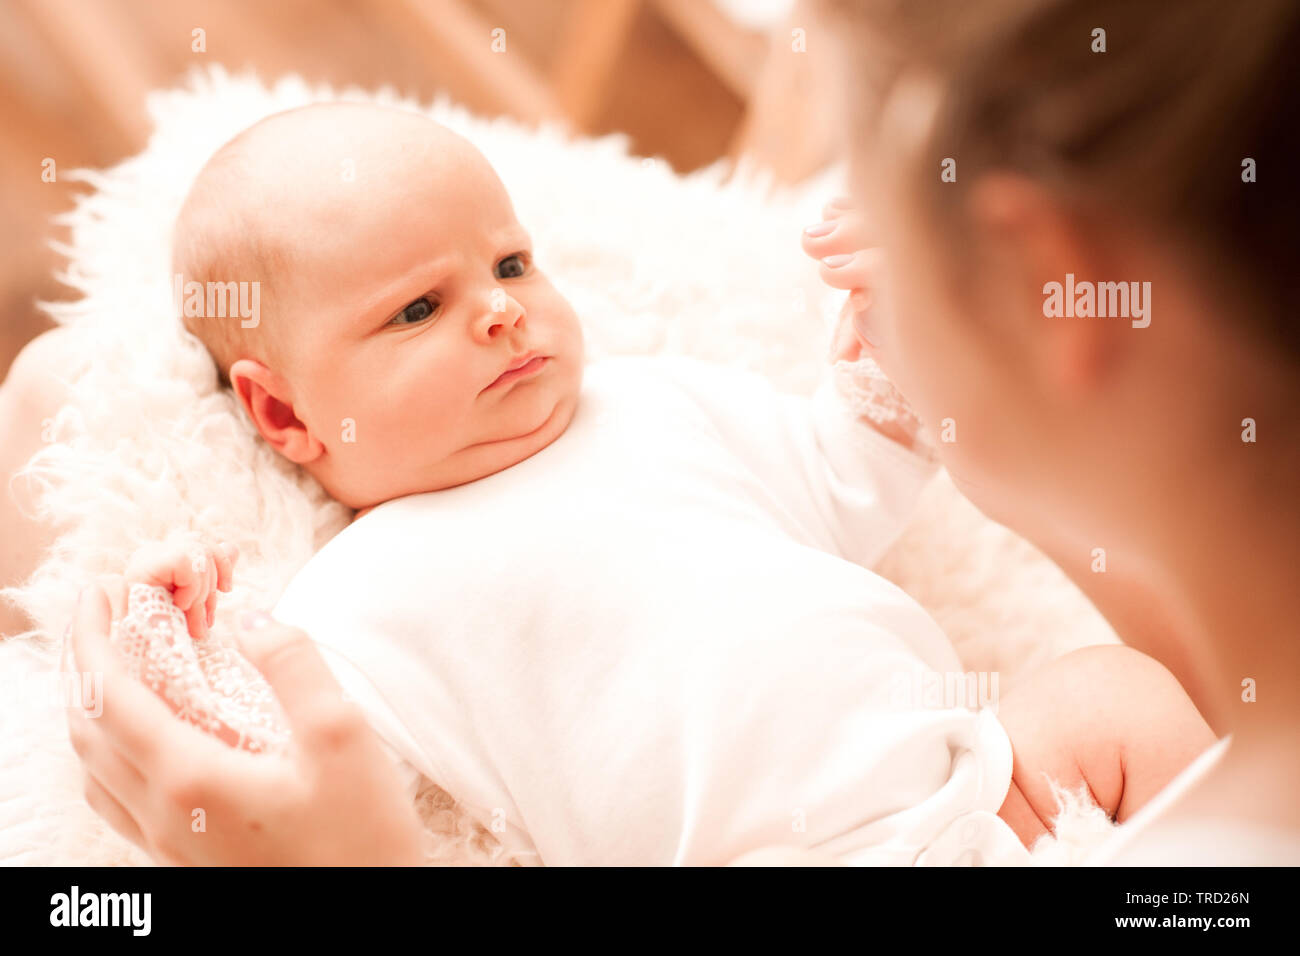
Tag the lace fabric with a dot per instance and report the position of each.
(206, 682)
(872, 396)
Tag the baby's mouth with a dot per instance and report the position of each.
(522, 367)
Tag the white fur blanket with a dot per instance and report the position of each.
(653, 263)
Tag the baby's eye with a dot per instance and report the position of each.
(512, 267)
(417, 311)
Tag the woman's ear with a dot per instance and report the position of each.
(266, 398)
(1030, 243)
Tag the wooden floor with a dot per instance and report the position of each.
(74, 74)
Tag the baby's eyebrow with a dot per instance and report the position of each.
(514, 233)
(405, 288)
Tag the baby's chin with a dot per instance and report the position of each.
(522, 447)
(485, 459)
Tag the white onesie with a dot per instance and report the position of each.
(655, 640)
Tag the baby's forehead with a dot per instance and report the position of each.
(339, 192)
(338, 167)
(353, 143)
(334, 164)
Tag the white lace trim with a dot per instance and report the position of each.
(206, 682)
(871, 395)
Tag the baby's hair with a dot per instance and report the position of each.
(217, 240)
(1156, 129)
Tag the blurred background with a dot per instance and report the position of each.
(690, 81)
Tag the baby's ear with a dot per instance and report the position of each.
(268, 402)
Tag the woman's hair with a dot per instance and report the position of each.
(1156, 129)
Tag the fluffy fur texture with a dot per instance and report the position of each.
(149, 445)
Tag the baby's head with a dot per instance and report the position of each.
(395, 289)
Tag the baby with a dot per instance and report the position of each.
(621, 612)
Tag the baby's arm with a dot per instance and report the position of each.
(1108, 718)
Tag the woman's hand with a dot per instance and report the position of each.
(186, 798)
(842, 245)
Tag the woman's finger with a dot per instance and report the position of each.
(312, 699)
(863, 269)
(117, 590)
(99, 759)
(132, 715)
(832, 237)
(95, 751)
(150, 564)
(107, 806)
(837, 207)
(848, 343)
(88, 632)
(847, 271)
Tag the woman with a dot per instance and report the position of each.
(1020, 159)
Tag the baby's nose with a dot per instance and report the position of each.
(504, 315)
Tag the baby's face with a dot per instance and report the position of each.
(422, 345)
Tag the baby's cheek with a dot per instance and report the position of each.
(444, 406)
